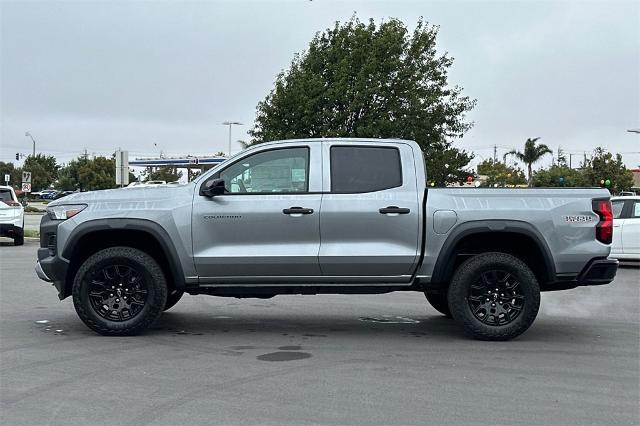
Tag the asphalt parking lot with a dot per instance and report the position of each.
(384, 359)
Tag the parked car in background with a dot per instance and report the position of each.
(11, 216)
(626, 228)
(49, 195)
(44, 194)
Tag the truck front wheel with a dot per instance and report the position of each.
(119, 291)
(494, 296)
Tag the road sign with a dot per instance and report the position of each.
(7, 178)
(26, 187)
(26, 177)
(122, 168)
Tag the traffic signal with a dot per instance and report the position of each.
(17, 156)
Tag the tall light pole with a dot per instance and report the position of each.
(34, 142)
(231, 123)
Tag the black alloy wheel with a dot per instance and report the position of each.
(118, 292)
(496, 298)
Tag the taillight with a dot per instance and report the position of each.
(11, 203)
(604, 228)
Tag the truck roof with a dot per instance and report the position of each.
(350, 140)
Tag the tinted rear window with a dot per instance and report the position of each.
(364, 169)
(5, 195)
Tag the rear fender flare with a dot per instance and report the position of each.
(446, 260)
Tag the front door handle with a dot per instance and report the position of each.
(297, 210)
(394, 209)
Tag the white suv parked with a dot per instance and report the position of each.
(11, 216)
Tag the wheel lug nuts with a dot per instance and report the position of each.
(111, 295)
(493, 304)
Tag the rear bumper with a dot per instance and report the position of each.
(598, 272)
(10, 230)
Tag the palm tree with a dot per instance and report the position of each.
(532, 154)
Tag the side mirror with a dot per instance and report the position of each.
(212, 187)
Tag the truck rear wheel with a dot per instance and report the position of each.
(439, 302)
(494, 296)
(119, 291)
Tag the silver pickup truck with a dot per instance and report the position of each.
(325, 216)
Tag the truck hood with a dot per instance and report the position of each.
(123, 195)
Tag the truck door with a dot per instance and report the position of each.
(371, 212)
(266, 224)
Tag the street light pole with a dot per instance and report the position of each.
(34, 142)
(231, 123)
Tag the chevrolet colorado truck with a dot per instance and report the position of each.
(350, 216)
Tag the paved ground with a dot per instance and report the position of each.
(313, 359)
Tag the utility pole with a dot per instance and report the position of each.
(231, 123)
(33, 140)
(495, 154)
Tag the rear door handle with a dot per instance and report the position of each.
(297, 210)
(394, 209)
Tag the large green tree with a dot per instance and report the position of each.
(532, 154)
(603, 167)
(499, 173)
(89, 174)
(44, 170)
(375, 81)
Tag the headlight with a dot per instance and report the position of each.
(65, 211)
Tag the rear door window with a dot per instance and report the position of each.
(357, 169)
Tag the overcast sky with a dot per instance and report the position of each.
(106, 74)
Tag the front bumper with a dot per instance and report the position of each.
(41, 274)
(50, 266)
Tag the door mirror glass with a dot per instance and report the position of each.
(212, 187)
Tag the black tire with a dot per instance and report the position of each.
(439, 302)
(486, 314)
(18, 240)
(144, 287)
(173, 297)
